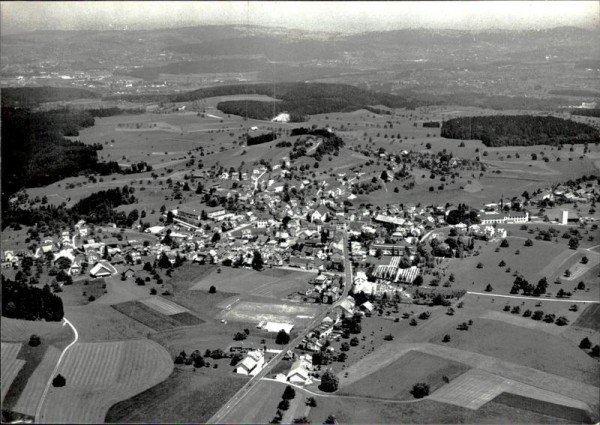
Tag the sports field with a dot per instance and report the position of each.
(272, 283)
(255, 312)
(101, 374)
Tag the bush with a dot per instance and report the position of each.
(34, 340)
(59, 381)
(446, 338)
(212, 290)
(537, 315)
(562, 321)
(420, 390)
(504, 243)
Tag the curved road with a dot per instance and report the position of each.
(45, 393)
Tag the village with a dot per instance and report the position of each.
(389, 250)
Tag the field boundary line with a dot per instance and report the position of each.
(516, 297)
(45, 393)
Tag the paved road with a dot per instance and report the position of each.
(249, 386)
(45, 393)
(517, 297)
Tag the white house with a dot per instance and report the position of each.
(100, 270)
(252, 364)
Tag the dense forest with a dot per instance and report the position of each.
(36, 153)
(97, 208)
(33, 96)
(22, 301)
(330, 143)
(263, 138)
(519, 130)
(302, 99)
(586, 112)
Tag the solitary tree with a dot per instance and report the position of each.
(489, 288)
(446, 338)
(420, 390)
(257, 261)
(59, 381)
(289, 393)
(282, 338)
(585, 343)
(329, 382)
(212, 290)
(34, 340)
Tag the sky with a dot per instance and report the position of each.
(334, 16)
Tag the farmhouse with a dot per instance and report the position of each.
(100, 270)
(299, 373)
(252, 364)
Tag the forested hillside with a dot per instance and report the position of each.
(302, 99)
(97, 208)
(32, 96)
(35, 152)
(519, 130)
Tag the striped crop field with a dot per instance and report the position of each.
(99, 375)
(30, 397)
(21, 330)
(10, 365)
(164, 306)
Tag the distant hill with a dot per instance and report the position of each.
(519, 130)
(271, 47)
(33, 96)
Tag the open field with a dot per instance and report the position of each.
(477, 387)
(274, 283)
(28, 399)
(543, 407)
(54, 337)
(184, 397)
(567, 387)
(590, 318)
(163, 306)
(14, 330)
(79, 292)
(101, 374)
(98, 323)
(550, 260)
(10, 365)
(427, 411)
(260, 405)
(395, 381)
(528, 347)
(150, 316)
